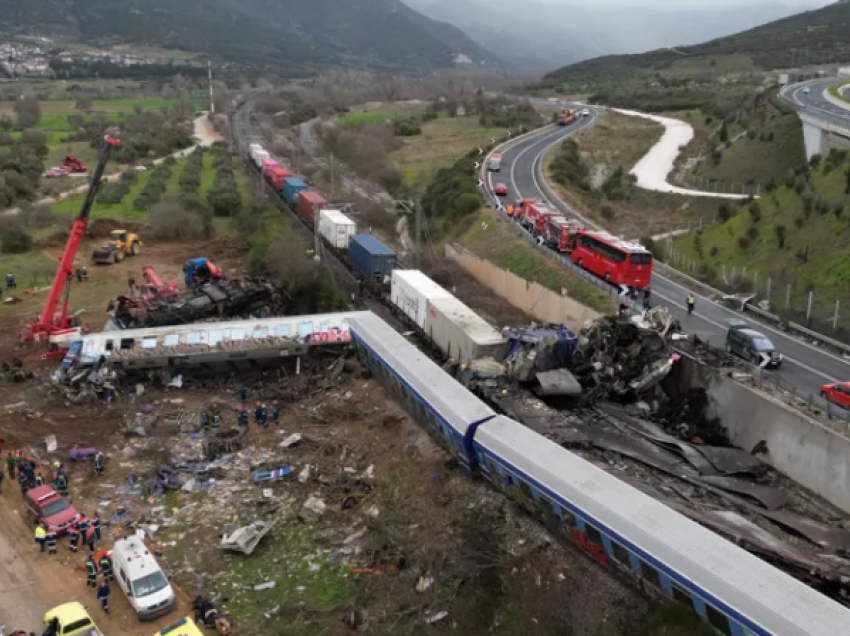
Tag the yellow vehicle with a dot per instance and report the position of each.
(184, 627)
(121, 244)
(70, 619)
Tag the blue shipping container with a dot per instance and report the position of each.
(370, 257)
(291, 187)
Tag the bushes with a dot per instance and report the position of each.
(223, 198)
(190, 178)
(452, 195)
(112, 192)
(568, 169)
(155, 187)
(15, 241)
(407, 128)
(174, 221)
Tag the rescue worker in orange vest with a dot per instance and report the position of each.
(510, 210)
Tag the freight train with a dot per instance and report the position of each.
(451, 327)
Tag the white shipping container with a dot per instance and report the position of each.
(460, 333)
(410, 291)
(260, 156)
(336, 228)
(252, 151)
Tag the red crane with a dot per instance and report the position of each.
(58, 323)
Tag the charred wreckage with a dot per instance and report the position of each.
(213, 300)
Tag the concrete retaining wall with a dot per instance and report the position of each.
(805, 450)
(532, 298)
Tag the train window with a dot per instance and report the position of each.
(568, 518)
(546, 504)
(509, 480)
(593, 535)
(682, 595)
(261, 332)
(193, 338)
(650, 574)
(171, 340)
(149, 342)
(525, 488)
(127, 343)
(718, 620)
(621, 555)
(283, 331)
(215, 337)
(237, 334)
(108, 346)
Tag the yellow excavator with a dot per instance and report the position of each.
(122, 243)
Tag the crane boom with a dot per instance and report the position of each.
(50, 323)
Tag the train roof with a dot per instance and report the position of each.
(751, 588)
(372, 244)
(451, 399)
(472, 325)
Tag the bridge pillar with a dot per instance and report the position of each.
(813, 138)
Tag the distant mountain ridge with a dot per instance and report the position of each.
(547, 35)
(816, 36)
(293, 34)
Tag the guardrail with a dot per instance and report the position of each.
(701, 287)
(764, 379)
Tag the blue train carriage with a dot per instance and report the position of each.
(446, 409)
(669, 555)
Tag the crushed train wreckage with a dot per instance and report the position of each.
(214, 300)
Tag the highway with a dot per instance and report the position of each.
(805, 366)
(814, 102)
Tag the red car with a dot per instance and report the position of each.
(500, 189)
(45, 505)
(838, 393)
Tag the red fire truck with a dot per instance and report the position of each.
(618, 261)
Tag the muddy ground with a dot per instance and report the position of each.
(398, 514)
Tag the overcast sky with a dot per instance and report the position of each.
(696, 4)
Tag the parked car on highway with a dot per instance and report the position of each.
(807, 90)
(751, 345)
(45, 505)
(585, 113)
(500, 189)
(837, 393)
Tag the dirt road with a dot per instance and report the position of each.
(31, 582)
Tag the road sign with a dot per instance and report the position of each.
(492, 140)
(509, 133)
(624, 290)
(480, 151)
(481, 183)
(499, 206)
(477, 165)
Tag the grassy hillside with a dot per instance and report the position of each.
(797, 235)
(295, 35)
(761, 142)
(819, 36)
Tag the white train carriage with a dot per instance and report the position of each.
(737, 593)
(215, 344)
(449, 411)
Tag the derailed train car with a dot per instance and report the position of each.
(663, 551)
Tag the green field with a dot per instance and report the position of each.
(369, 113)
(125, 210)
(441, 143)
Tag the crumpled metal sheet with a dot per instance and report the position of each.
(557, 382)
(836, 540)
(731, 461)
(770, 498)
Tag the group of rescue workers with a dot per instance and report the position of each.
(30, 476)
(211, 418)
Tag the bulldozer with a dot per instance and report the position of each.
(122, 243)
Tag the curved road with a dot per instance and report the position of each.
(806, 366)
(815, 103)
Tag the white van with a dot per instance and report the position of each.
(141, 579)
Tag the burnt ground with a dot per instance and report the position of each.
(355, 569)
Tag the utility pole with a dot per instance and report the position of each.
(316, 240)
(209, 73)
(333, 180)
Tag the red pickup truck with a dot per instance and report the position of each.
(45, 505)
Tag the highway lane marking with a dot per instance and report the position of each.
(721, 307)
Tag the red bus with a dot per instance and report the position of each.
(617, 261)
